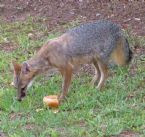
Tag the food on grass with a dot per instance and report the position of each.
(51, 101)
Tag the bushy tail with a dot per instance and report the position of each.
(122, 54)
(129, 52)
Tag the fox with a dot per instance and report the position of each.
(91, 43)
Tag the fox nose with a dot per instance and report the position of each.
(23, 94)
(19, 99)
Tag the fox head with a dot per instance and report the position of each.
(22, 78)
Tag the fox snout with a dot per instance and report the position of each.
(21, 94)
(22, 79)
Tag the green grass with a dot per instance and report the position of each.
(87, 112)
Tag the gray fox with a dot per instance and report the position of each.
(96, 43)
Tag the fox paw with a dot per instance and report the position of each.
(61, 98)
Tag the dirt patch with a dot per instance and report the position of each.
(128, 134)
(2, 134)
(29, 126)
(139, 50)
(8, 47)
(128, 13)
(14, 116)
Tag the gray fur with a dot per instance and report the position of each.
(93, 38)
(88, 43)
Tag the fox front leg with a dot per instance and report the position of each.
(67, 75)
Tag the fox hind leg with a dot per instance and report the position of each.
(97, 74)
(104, 73)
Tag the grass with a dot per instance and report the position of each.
(87, 112)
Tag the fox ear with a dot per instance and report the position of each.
(17, 67)
(25, 68)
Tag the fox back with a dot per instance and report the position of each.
(97, 39)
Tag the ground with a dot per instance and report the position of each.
(119, 110)
(60, 12)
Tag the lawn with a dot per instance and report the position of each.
(87, 112)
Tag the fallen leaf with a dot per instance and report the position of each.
(39, 109)
(55, 110)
